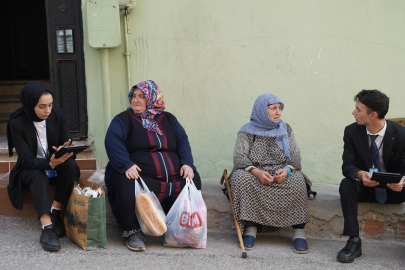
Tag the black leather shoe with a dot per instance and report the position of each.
(248, 242)
(351, 251)
(49, 239)
(58, 223)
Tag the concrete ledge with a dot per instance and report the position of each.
(382, 222)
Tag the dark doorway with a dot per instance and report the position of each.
(23, 52)
(24, 44)
(43, 40)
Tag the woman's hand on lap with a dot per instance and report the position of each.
(132, 173)
(186, 171)
(280, 176)
(264, 177)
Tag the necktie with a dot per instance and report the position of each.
(380, 193)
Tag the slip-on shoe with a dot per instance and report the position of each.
(136, 242)
(300, 246)
(351, 251)
(248, 242)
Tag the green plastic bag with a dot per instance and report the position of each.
(85, 218)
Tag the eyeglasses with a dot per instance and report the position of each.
(140, 98)
(274, 108)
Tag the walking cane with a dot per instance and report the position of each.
(228, 187)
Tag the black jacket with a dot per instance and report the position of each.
(25, 142)
(356, 150)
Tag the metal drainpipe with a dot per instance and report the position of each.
(127, 53)
(127, 31)
(105, 76)
(105, 70)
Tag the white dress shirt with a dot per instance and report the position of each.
(41, 139)
(378, 142)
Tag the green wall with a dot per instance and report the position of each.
(213, 58)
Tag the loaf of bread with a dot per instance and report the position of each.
(150, 215)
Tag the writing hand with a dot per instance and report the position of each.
(66, 144)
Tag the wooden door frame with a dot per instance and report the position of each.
(67, 72)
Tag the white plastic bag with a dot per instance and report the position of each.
(150, 214)
(187, 219)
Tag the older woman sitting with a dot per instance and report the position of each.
(268, 188)
(145, 141)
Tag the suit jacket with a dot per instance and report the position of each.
(24, 137)
(356, 150)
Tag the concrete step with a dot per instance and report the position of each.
(14, 87)
(8, 104)
(3, 123)
(10, 100)
(87, 168)
(377, 222)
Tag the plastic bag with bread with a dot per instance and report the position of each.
(149, 212)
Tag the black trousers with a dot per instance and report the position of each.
(351, 193)
(37, 183)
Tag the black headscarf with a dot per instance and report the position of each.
(29, 97)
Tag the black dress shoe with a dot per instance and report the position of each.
(49, 239)
(58, 223)
(351, 251)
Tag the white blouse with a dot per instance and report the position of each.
(41, 138)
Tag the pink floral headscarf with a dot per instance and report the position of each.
(154, 106)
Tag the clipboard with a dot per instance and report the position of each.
(386, 178)
(69, 149)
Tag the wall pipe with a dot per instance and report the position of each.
(105, 76)
(105, 70)
(127, 53)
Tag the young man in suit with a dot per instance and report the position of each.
(371, 144)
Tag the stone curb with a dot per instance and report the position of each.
(377, 222)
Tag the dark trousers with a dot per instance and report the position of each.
(351, 193)
(37, 182)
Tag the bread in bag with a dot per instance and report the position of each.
(150, 215)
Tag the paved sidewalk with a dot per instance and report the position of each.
(20, 249)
